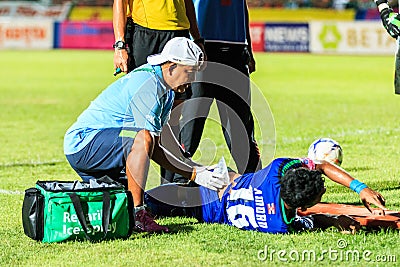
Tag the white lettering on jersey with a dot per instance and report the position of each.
(242, 193)
(260, 209)
(241, 215)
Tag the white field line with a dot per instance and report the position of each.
(10, 192)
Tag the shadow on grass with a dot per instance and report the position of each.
(361, 168)
(391, 188)
(376, 230)
(175, 228)
(367, 230)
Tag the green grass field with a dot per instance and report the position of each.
(347, 98)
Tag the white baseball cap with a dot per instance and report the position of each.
(180, 50)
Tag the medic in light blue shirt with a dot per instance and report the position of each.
(128, 104)
(118, 134)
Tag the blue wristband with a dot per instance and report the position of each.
(357, 186)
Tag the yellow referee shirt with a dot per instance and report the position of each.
(159, 14)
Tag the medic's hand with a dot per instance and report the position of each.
(206, 178)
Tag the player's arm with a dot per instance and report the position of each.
(385, 10)
(340, 176)
(194, 29)
(119, 25)
(191, 15)
(324, 221)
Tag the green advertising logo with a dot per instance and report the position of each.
(330, 37)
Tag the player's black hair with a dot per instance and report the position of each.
(300, 186)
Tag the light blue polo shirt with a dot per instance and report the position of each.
(139, 100)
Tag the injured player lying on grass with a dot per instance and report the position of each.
(264, 201)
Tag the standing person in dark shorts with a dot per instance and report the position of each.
(225, 27)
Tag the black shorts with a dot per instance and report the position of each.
(143, 42)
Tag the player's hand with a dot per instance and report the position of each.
(252, 65)
(369, 196)
(201, 45)
(121, 60)
(206, 178)
(203, 65)
(347, 224)
(385, 11)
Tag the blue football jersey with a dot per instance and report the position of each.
(221, 20)
(253, 201)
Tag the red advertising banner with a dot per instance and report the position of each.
(26, 34)
(84, 35)
(257, 36)
(29, 9)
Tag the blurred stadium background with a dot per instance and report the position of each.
(324, 26)
(338, 4)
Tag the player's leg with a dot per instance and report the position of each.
(234, 101)
(238, 125)
(194, 114)
(174, 200)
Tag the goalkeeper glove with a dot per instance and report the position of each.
(206, 178)
(385, 10)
